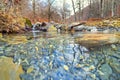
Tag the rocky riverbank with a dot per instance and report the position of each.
(11, 23)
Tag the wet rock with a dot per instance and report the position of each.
(52, 28)
(40, 26)
(114, 47)
(76, 26)
(79, 28)
(9, 70)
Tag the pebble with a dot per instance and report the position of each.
(91, 67)
(36, 48)
(106, 70)
(114, 47)
(66, 67)
(30, 69)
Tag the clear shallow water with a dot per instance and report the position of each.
(55, 56)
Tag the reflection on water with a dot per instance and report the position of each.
(55, 56)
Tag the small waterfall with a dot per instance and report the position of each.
(33, 29)
(34, 26)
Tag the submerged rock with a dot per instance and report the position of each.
(60, 58)
(92, 40)
(106, 70)
(9, 70)
(114, 47)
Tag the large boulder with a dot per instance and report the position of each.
(93, 40)
(76, 26)
(40, 26)
(9, 70)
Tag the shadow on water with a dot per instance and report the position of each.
(55, 56)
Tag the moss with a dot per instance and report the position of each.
(28, 22)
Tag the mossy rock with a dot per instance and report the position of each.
(0, 35)
(28, 22)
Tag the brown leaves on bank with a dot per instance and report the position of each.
(9, 22)
(108, 22)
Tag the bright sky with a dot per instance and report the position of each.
(59, 3)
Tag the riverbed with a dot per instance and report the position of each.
(60, 56)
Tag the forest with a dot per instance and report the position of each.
(63, 12)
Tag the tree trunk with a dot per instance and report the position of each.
(90, 12)
(112, 8)
(49, 13)
(74, 9)
(63, 11)
(79, 10)
(34, 13)
(50, 2)
(102, 8)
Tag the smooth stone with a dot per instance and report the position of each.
(115, 64)
(106, 70)
(114, 47)
(66, 67)
(0, 35)
(9, 70)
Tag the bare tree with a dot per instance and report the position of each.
(102, 8)
(50, 3)
(34, 6)
(74, 10)
(79, 2)
(90, 8)
(64, 11)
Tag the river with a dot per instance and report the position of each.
(61, 56)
